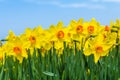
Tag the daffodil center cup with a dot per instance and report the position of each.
(60, 34)
(99, 49)
(79, 29)
(107, 28)
(17, 50)
(32, 39)
(90, 29)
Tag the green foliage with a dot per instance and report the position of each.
(67, 66)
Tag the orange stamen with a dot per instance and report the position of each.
(99, 49)
(107, 28)
(79, 29)
(90, 29)
(32, 39)
(60, 34)
(17, 50)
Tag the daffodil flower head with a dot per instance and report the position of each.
(97, 47)
(17, 49)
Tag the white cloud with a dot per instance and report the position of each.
(95, 0)
(40, 1)
(67, 5)
(82, 5)
(72, 5)
(116, 1)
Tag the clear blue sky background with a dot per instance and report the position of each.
(16, 15)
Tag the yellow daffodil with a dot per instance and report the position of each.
(17, 49)
(31, 38)
(76, 28)
(11, 36)
(2, 54)
(116, 29)
(47, 43)
(119, 36)
(58, 35)
(97, 47)
(92, 27)
(93, 37)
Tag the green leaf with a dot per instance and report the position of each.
(1, 74)
(49, 73)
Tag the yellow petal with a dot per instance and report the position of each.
(96, 57)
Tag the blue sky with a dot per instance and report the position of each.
(16, 15)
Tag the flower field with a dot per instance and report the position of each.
(82, 50)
